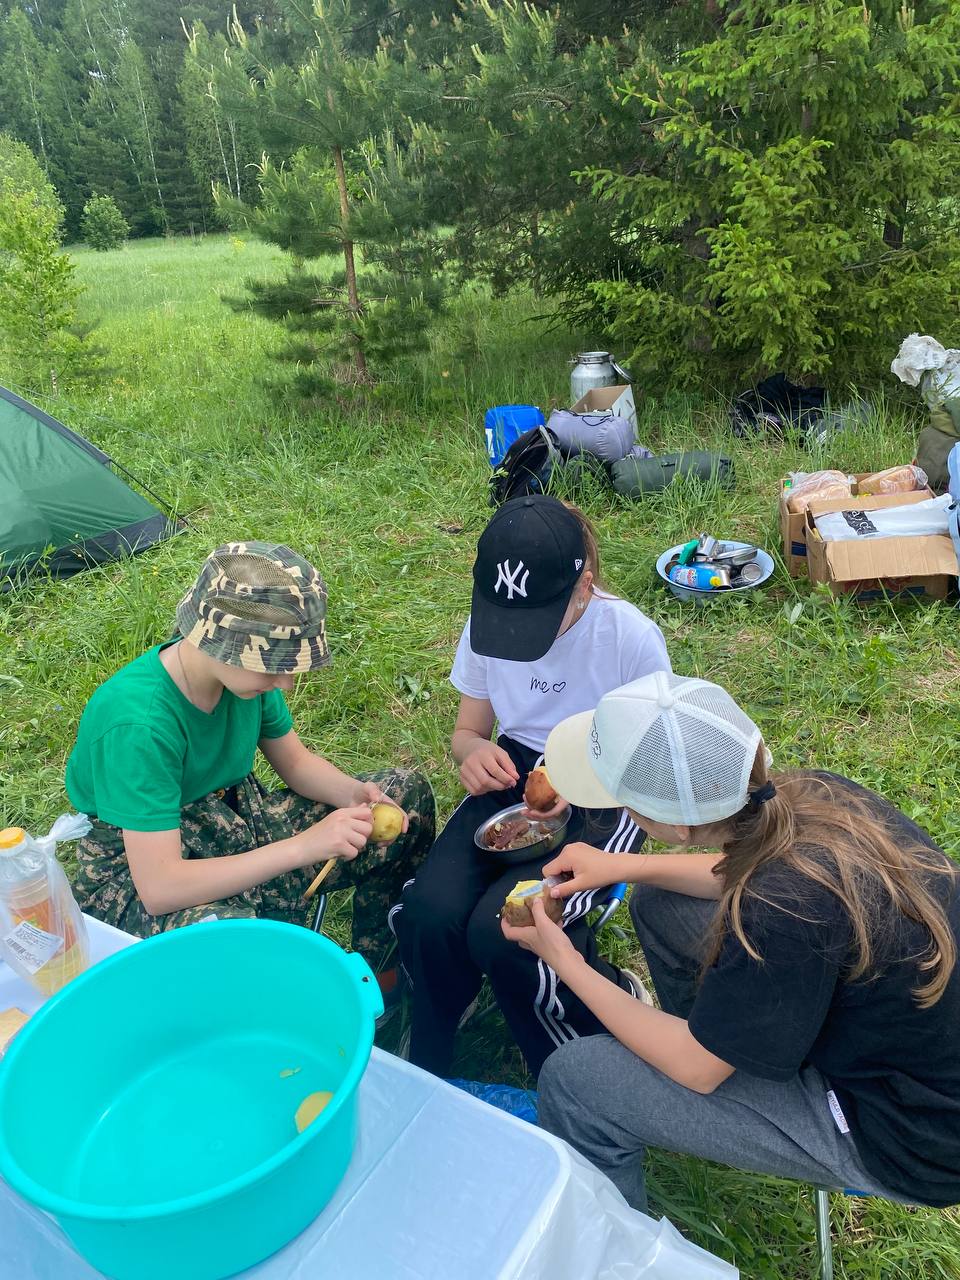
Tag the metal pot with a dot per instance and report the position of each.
(592, 369)
(530, 852)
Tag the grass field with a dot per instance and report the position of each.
(388, 499)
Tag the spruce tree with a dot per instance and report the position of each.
(803, 211)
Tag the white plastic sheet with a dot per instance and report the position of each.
(440, 1185)
(913, 521)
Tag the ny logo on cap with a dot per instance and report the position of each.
(507, 577)
(578, 565)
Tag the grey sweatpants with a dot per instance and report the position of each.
(611, 1105)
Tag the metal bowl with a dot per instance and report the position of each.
(558, 829)
(698, 594)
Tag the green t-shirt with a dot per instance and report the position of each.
(144, 751)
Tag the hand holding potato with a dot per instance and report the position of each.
(544, 938)
(388, 818)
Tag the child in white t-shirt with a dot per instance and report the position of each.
(542, 642)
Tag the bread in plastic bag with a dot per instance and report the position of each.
(813, 486)
(905, 479)
(43, 936)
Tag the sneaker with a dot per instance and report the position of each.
(639, 991)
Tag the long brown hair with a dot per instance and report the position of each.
(591, 548)
(834, 837)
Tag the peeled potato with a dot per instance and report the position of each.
(516, 906)
(387, 823)
(539, 793)
(310, 1108)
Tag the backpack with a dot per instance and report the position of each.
(526, 467)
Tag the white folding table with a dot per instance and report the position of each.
(440, 1186)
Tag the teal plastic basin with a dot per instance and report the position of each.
(149, 1106)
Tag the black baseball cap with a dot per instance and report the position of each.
(529, 559)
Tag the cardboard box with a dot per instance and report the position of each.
(617, 401)
(793, 523)
(792, 532)
(875, 567)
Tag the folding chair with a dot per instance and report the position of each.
(821, 1206)
(608, 908)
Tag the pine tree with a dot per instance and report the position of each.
(327, 198)
(804, 210)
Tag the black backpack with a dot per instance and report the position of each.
(526, 466)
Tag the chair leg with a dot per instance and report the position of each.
(319, 911)
(821, 1202)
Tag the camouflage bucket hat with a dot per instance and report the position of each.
(259, 606)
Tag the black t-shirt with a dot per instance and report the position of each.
(894, 1067)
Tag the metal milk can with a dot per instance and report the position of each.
(594, 369)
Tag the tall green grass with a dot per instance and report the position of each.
(388, 497)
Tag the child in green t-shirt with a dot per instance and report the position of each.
(163, 764)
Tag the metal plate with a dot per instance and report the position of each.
(558, 829)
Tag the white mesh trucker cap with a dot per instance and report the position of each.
(674, 749)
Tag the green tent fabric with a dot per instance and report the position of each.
(61, 503)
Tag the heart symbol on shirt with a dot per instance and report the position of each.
(559, 688)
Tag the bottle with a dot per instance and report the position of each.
(42, 934)
(704, 577)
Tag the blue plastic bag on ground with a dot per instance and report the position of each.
(521, 1103)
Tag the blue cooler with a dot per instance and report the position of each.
(505, 423)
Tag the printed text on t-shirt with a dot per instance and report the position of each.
(544, 686)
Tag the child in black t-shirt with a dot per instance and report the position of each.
(809, 1020)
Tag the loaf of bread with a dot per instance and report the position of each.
(816, 486)
(905, 479)
(516, 907)
(539, 794)
(11, 1020)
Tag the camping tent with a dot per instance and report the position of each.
(61, 502)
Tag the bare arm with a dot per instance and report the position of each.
(688, 873)
(166, 881)
(484, 766)
(475, 721)
(661, 1039)
(307, 773)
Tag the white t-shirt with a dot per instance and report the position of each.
(610, 645)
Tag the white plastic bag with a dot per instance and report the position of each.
(923, 362)
(43, 937)
(928, 517)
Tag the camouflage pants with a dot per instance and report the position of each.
(210, 828)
